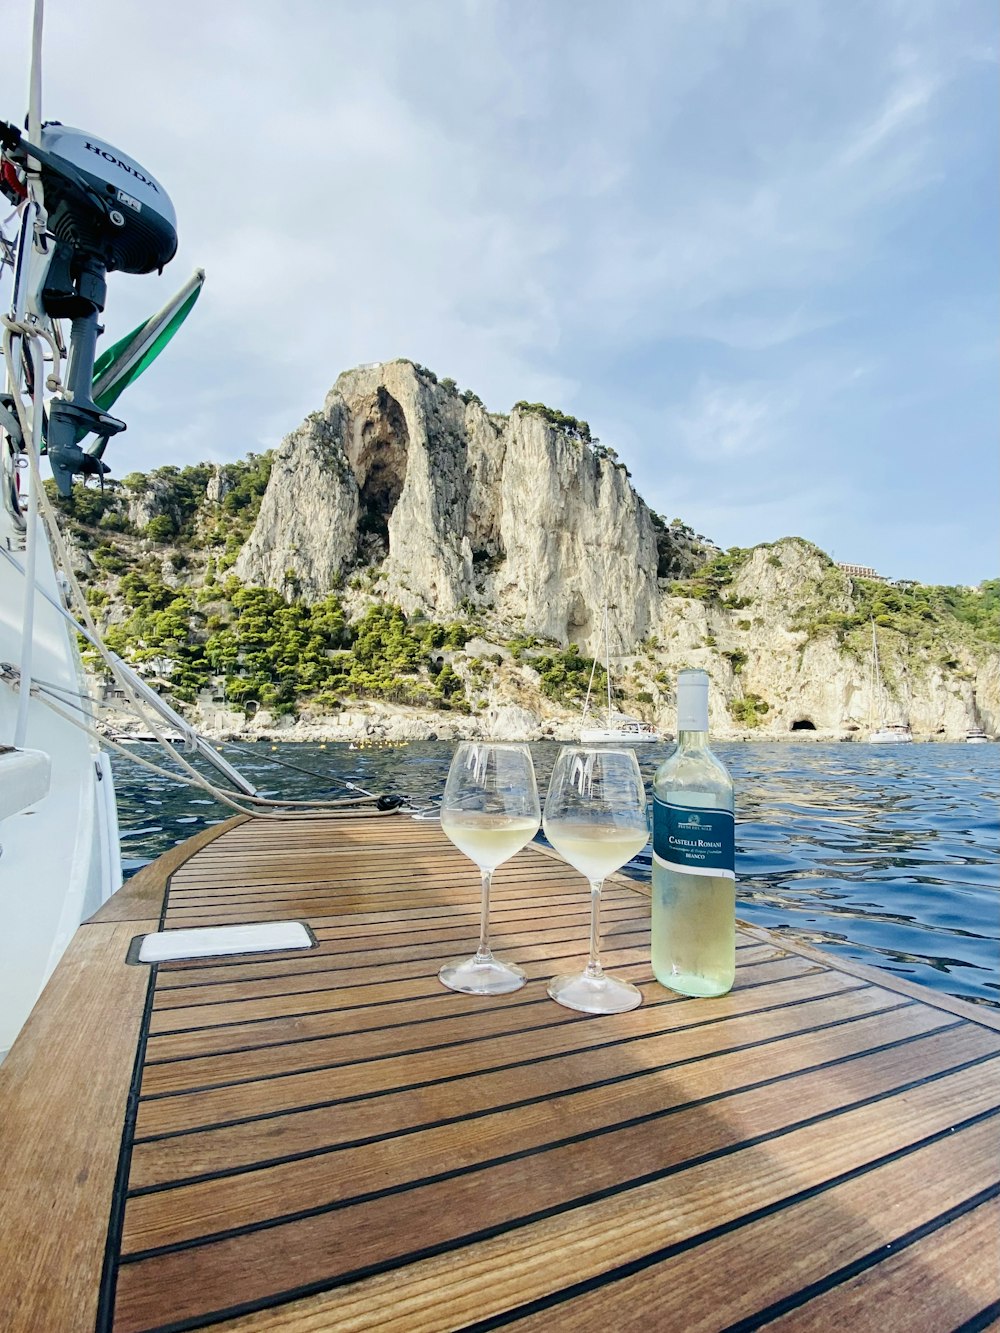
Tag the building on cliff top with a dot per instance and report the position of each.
(862, 572)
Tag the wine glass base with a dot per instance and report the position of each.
(594, 995)
(476, 976)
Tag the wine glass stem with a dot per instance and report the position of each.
(483, 952)
(593, 968)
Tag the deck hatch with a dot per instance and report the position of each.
(168, 946)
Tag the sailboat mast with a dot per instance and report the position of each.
(877, 698)
(607, 657)
(590, 688)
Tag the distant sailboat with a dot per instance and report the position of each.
(618, 727)
(882, 732)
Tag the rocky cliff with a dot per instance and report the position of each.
(406, 547)
(788, 646)
(462, 509)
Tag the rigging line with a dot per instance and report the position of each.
(47, 513)
(590, 686)
(195, 778)
(364, 798)
(8, 244)
(51, 686)
(33, 444)
(172, 776)
(91, 633)
(39, 689)
(197, 781)
(73, 623)
(286, 763)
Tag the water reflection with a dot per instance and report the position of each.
(887, 859)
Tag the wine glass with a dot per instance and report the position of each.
(595, 818)
(490, 811)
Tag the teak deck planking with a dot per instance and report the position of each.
(329, 1139)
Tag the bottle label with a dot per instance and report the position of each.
(693, 839)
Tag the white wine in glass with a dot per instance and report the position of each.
(490, 811)
(595, 818)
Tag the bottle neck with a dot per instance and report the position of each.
(692, 702)
(692, 740)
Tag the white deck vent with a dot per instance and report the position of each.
(169, 946)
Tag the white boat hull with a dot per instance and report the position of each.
(619, 728)
(886, 736)
(612, 735)
(61, 857)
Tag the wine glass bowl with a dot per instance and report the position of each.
(595, 818)
(490, 810)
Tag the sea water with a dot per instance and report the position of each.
(886, 855)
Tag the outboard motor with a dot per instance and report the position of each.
(105, 212)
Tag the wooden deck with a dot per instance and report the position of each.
(332, 1140)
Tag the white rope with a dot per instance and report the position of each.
(59, 545)
(318, 807)
(38, 493)
(49, 687)
(26, 328)
(30, 563)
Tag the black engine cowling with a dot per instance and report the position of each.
(105, 203)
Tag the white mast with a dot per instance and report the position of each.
(607, 657)
(878, 700)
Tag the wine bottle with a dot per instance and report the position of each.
(694, 880)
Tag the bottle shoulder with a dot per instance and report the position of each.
(694, 770)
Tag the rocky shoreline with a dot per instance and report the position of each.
(375, 723)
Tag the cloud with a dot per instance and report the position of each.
(727, 423)
(733, 257)
(671, 220)
(426, 171)
(904, 105)
(765, 509)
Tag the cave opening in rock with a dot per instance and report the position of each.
(579, 621)
(377, 452)
(486, 560)
(803, 724)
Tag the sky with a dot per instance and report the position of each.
(752, 242)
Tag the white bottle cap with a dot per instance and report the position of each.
(692, 701)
